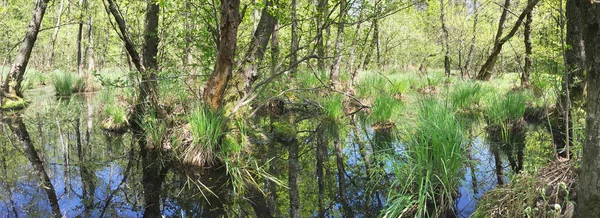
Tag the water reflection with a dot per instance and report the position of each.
(74, 169)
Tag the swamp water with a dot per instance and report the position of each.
(93, 173)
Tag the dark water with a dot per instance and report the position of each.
(94, 173)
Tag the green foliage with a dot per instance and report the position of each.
(509, 108)
(66, 83)
(371, 85)
(429, 173)
(384, 108)
(207, 128)
(155, 129)
(465, 94)
(333, 108)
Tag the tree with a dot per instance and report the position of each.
(485, 73)
(217, 83)
(528, 49)
(12, 85)
(339, 42)
(445, 39)
(589, 188)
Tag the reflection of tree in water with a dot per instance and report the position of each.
(20, 131)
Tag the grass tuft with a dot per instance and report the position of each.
(429, 173)
(207, 129)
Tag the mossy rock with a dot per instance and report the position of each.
(284, 131)
(14, 104)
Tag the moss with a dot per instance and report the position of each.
(14, 104)
(284, 131)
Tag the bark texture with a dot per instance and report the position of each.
(446, 43)
(339, 43)
(217, 83)
(589, 176)
(528, 49)
(12, 84)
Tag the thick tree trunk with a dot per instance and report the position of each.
(339, 43)
(295, 40)
(20, 131)
(55, 34)
(12, 84)
(486, 70)
(528, 49)
(217, 83)
(588, 185)
(446, 38)
(575, 54)
(322, 16)
(258, 45)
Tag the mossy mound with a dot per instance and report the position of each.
(14, 104)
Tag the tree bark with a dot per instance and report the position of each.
(339, 43)
(90, 52)
(528, 49)
(575, 54)
(322, 15)
(217, 83)
(589, 188)
(12, 84)
(294, 38)
(258, 45)
(83, 4)
(486, 70)
(353, 68)
(55, 34)
(445, 39)
(374, 39)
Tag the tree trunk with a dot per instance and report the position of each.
(83, 4)
(575, 54)
(486, 70)
(528, 49)
(105, 48)
(589, 188)
(12, 84)
(294, 168)
(446, 43)
(339, 43)
(217, 83)
(275, 48)
(322, 15)
(353, 68)
(469, 60)
(20, 131)
(295, 41)
(55, 34)
(258, 45)
(91, 59)
(374, 42)
(339, 153)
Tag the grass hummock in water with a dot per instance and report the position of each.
(66, 83)
(207, 128)
(429, 173)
